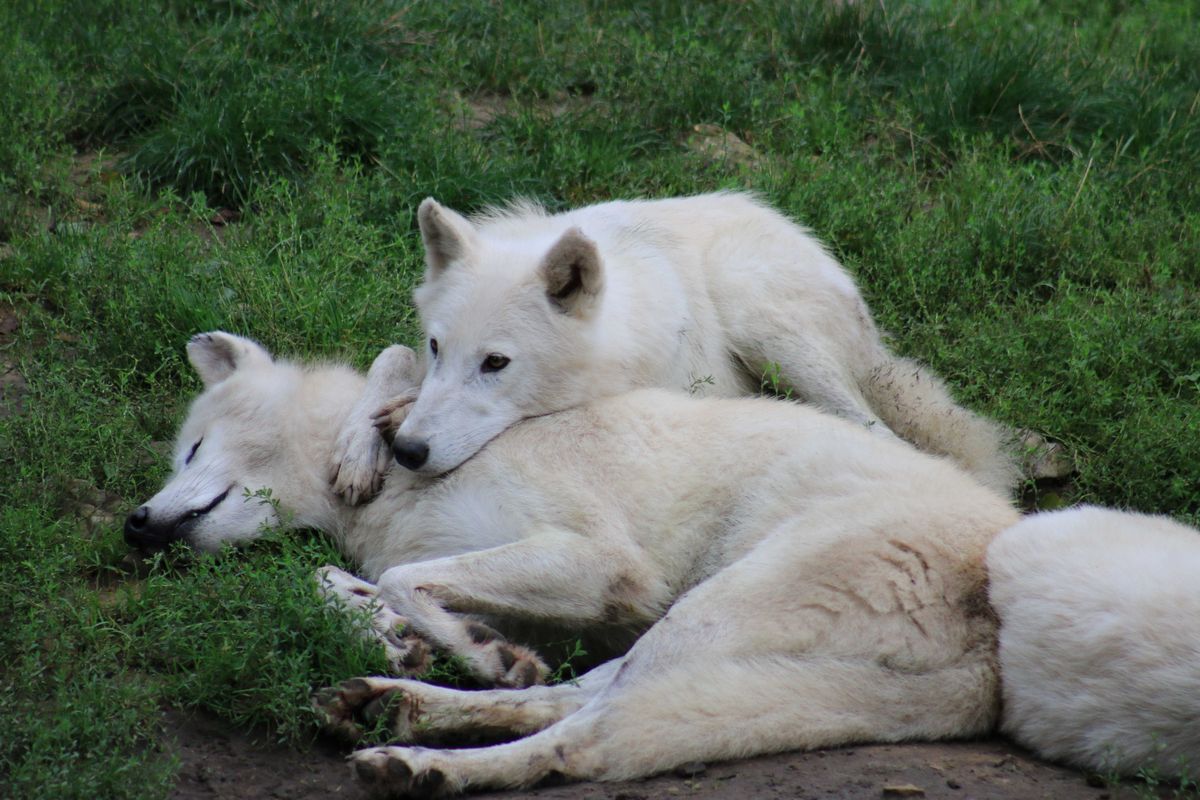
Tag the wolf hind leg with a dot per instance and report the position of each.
(421, 713)
(788, 357)
(815, 377)
(855, 377)
(917, 405)
(728, 709)
(780, 650)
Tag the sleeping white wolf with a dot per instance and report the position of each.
(528, 313)
(800, 583)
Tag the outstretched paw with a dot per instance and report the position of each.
(521, 666)
(497, 661)
(359, 705)
(400, 771)
(407, 653)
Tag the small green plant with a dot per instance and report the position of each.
(565, 671)
(266, 496)
(772, 382)
(1149, 782)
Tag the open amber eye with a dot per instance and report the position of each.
(494, 362)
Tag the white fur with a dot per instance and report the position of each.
(237, 428)
(704, 294)
(798, 583)
(1100, 639)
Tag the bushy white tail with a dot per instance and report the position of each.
(915, 404)
(1100, 639)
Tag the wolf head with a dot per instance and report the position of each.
(509, 331)
(255, 441)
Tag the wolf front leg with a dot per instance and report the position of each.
(552, 577)
(406, 654)
(360, 456)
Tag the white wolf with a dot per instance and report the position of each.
(528, 313)
(800, 582)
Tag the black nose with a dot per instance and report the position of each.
(410, 453)
(135, 526)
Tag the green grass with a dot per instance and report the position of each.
(1015, 185)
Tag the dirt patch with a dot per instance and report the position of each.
(8, 323)
(95, 509)
(13, 387)
(220, 762)
(717, 145)
(477, 111)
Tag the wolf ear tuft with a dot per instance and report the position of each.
(446, 234)
(573, 274)
(217, 354)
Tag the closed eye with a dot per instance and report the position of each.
(192, 453)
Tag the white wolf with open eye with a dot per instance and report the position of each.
(526, 313)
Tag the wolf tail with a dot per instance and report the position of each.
(916, 405)
(1100, 639)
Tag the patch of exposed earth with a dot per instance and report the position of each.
(221, 762)
(12, 383)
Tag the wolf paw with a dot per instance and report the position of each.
(519, 667)
(358, 705)
(407, 653)
(400, 771)
(499, 661)
(388, 418)
(361, 459)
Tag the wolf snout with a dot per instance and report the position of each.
(146, 533)
(135, 523)
(140, 532)
(410, 453)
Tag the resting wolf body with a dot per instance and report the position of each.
(528, 313)
(801, 583)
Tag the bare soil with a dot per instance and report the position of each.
(12, 382)
(221, 762)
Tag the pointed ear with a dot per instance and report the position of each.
(217, 354)
(447, 235)
(573, 274)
